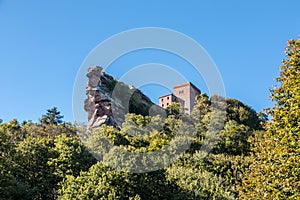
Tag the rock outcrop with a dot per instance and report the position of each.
(108, 100)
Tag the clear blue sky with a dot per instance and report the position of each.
(43, 43)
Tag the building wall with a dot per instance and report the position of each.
(193, 94)
(184, 93)
(187, 92)
(166, 100)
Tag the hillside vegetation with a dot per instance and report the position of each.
(252, 157)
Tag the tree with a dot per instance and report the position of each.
(275, 168)
(233, 139)
(102, 182)
(175, 109)
(52, 117)
(242, 114)
(31, 168)
(70, 157)
(10, 188)
(190, 175)
(34, 158)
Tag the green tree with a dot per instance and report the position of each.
(52, 117)
(102, 182)
(189, 173)
(203, 105)
(30, 166)
(175, 109)
(70, 157)
(275, 168)
(34, 158)
(10, 187)
(234, 139)
(242, 114)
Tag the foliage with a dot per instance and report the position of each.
(10, 187)
(198, 183)
(234, 139)
(191, 177)
(52, 117)
(275, 169)
(136, 105)
(99, 183)
(48, 161)
(34, 158)
(102, 182)
(229, 167)
(70, 157)
(242, 114)
(174, 109)
(136, 101)
(30, 166)
(110, 81)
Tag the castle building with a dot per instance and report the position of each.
(184, 93)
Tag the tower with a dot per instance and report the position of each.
(187, 92)
(184, 93)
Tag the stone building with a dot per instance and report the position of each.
(184, 93)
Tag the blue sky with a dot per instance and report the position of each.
(43, 44)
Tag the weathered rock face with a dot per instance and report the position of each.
(108, 97)
(92, 92)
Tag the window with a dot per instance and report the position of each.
(181, 92)
(162, 100)
(162, 105)
(168, 98)
(167, 104)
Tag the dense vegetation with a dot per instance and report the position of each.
(275, 168)
(252, 158)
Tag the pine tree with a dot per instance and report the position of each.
(52, 117)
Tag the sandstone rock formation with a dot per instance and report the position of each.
(108, 100)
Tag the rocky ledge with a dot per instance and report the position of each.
(107, 100)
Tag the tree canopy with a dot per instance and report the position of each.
(274, 172)
(52, 117)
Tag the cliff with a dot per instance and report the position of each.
(105, 96)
